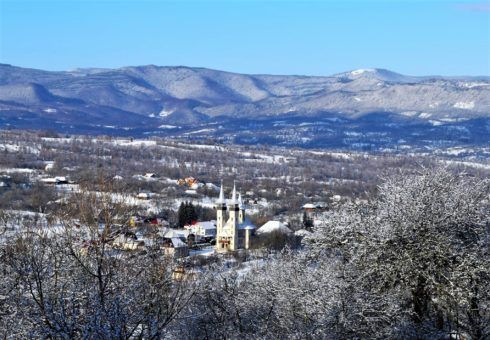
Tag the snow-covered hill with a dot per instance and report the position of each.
(146, 97)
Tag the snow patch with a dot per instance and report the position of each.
(408, 113)
(464, 105)
(361, 71)
(165, 113)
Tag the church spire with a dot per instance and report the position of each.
(233, 195)
(240, 202)
(221, 198)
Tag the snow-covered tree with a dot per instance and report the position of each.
(416, 261)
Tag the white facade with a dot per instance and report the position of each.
(233, 230)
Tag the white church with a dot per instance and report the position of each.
(233, 230)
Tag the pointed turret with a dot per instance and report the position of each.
(233, 200)
(241, 212)
(240, 202)
(221, 198)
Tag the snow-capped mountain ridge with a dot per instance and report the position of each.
(137, 97)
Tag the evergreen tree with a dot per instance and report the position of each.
(187, 214)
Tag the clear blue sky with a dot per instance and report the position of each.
(250, 36)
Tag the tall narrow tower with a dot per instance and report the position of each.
(220, 205)
(241, 213)
(232, 224)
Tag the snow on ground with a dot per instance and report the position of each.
(165, 126)
(361, 71)
(17, 170)
(464, 105)
(340, 155)
(435, 122)
(270, 159)
(248, 266)
(409, 113)
(17, 148)
(206, 251)
(199, 131)
(134, 143)
(165, 113)
(469, 164)
(201, 146)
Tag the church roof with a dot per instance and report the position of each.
(272, 226)
(240, 202)
(247, 224)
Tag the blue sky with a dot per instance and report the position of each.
(250, 36)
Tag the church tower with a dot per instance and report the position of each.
(227, 231)
(232, 224)
(241, 213)
(220, 205)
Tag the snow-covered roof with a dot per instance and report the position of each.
(207, 224)
(247, 225)
(302, 232)
(177, 242)
(171, 233)
(240, 202)
(309, 206)
(212, 186)
(273, 226)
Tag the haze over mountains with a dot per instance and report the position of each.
(186, 101)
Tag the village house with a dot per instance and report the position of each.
(204, 230)
(175, 247)
(55, 180)
(127, 241)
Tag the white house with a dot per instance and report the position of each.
(203, 229)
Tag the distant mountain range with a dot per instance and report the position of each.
(183, 101)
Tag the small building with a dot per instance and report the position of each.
(203, 230)
(309, 207)
(175, 247)
(127, 241)
(55, 180)
(144, 195)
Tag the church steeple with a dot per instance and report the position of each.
(240, 202)
(221, 198)
(233, 200)
(220, 210)
(241, 212)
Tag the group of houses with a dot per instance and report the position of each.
(230, 231)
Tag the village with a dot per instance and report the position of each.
(206, 234)
(193, 204)
(181, 217)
